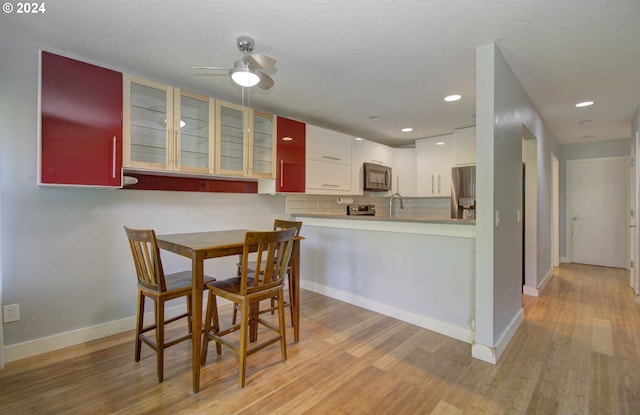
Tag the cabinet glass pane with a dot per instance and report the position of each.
(194, 132)
(148, 124)
(231, 139)
(262, 144)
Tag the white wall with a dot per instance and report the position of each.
(65, 258)
(502, 110)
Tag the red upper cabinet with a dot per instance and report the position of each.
(81, 139)
(290, 149)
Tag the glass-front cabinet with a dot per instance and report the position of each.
(262, 150)
(167, 129)
(245, 141)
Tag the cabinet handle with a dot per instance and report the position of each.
(439, 183)
(113, 160)
(433, 185)
(281, 173)
(331, 158)
(330, 185)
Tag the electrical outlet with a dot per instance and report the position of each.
(11, 312)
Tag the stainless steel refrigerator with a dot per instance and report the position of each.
(463, 192)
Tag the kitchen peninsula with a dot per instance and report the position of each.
(418, 270)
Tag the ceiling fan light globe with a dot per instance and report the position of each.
(245, 77)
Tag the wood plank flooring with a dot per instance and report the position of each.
(577, 352)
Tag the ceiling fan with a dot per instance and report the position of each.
(246, 71)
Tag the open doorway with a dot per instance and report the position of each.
(529, 214)
(555, 204)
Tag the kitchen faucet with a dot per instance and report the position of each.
(399, 196)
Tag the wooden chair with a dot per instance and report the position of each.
(278, 224)
(247, 290)
(154, 284)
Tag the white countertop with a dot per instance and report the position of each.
(426, 226)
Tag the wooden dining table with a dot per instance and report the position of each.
(200, 246)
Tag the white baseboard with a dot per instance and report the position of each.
(71, 338)
(565, 260)
(74, 337)
(491, 354)
(484, 353)
(460, 333)
(535, 292)
(530, 291)
(508, 334)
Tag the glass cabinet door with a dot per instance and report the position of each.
(146, 114)
(262, 146)
(230, 143)
(193, 121)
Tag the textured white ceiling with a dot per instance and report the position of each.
(341, 61)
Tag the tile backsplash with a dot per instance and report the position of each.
(420, 207)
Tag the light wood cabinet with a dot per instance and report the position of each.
(434, 160)
(167, 129)
(328, 161)
(244, 142)
(81, 134)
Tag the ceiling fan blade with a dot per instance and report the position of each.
(259, 60)
(210, 68)
(266, 82)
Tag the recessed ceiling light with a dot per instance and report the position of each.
(440, 143)
(585, 123)
(452, 98)
(584, 104)
(407, 130)
(359, 138)
(374, 117)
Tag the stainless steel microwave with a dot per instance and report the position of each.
(377, 178)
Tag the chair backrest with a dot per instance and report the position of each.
(273, 250)
(146, 257)
(279, 224)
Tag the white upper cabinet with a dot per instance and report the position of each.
(404, 172)
(434, 160)
(328, 164)
(327, 145)
(378, 153)
(465, 153)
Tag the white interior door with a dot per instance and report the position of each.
(597, 202)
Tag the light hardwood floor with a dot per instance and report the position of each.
(577, 352)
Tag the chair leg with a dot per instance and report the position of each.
(206, 329)
(234, 317)
(210, 324)
(244, 334)
(139, 325)
(159, 306)
(189, 310)
(290, 297)
(283, 338)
